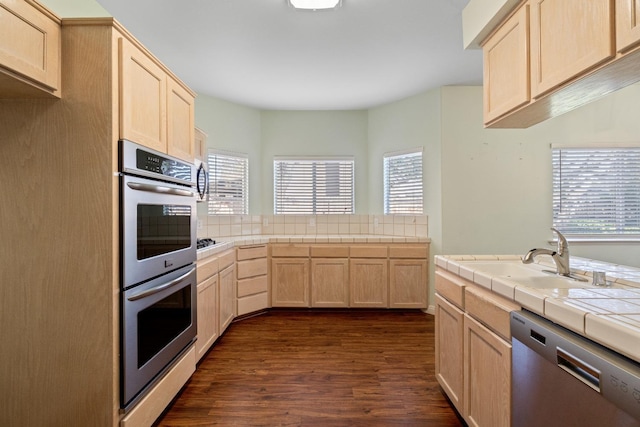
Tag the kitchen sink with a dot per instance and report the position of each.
(512, 268)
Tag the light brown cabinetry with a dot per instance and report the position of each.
(227, 296)
(290, 276)
(473, 350)
(200, 145)
(408, 276)
(155, 110)
(253, 287)
(30, 51)
(208, 289)
(627, 24)
(567, 39)
(369, 277)
(330, 276)
(506, 66)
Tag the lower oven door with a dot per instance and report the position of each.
(158, 323)
(159, 222)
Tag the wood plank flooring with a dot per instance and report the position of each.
(318, 368)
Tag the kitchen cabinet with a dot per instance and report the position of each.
(567, 39)
(330, 276)
(253, 286)
(627, 24)
(473, 349)
(506, 66)
(408, 276)
(449, 332)
(368, 276)
(290, 276)
(155, 110)
(207, 277)
(30, 51)
(487, 376)
(227, 296)
(200, 144)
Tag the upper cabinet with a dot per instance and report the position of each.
(200, 144)
(627, 24)
(568, 37)
(156, 110)
(577, 52)
(29, 50)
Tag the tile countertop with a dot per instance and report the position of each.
(231, 242)
(607, 315)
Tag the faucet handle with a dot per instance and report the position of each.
(563, 245)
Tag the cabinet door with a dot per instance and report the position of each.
(143, 98)
(200, 144)
(449, 330)
(506, 66)
(329, 282)
(29, 46)
(290, 282)
(408, 283)
(227, 297)
(180, 140)
(368, 280)
(207, 315)
(487, 377)
(568, 37)
(627, 24)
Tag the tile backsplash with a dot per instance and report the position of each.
(313, 225)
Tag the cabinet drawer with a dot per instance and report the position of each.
(418, 252)
(252, 267)
(290, 251)
(207, 267)
(330, 251)
(252, 303)
(368, 251)
(252, 252)
(226, 259)
(252, 286)
(490, 310)
(450, 287)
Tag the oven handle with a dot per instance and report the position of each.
(159, 189)
(160, 288)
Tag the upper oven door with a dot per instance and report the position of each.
(159, 223)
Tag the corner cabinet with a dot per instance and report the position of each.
(155, 109)
(227, 296)
(253, 287)
(30, 51)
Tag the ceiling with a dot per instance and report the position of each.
(267, 55)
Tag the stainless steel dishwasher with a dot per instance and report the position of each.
(563, 379)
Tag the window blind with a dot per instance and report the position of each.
(403, 192)
(228, 183)
(313, 186)
(596, 191)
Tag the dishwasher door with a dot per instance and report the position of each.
(562, 379)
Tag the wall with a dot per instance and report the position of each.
(233, 127)
(315, 133)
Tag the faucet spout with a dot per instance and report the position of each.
(560, 256)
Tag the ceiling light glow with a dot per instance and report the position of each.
(315, 4)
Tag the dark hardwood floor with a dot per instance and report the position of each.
(318, 368)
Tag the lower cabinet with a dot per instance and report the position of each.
(329, 282)
(487, 376)
(227, 296)
(408, 283)
(253, 288)
(473, 351)
(368, 282)
(207, 315)
(290, 282)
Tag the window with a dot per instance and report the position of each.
(228, 183)
(403, 192)
(596, 191)
(313, 185)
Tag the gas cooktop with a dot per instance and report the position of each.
(203, 243)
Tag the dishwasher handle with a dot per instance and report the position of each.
(578, 368)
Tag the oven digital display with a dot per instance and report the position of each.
(162, 166)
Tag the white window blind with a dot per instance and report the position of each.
(228, 183)
(403, 193)
(596, 191)
(313, 186)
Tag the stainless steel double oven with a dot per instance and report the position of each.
(158, 272)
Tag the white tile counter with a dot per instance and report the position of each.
(608, 315)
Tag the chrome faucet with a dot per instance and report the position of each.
(560, 256)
